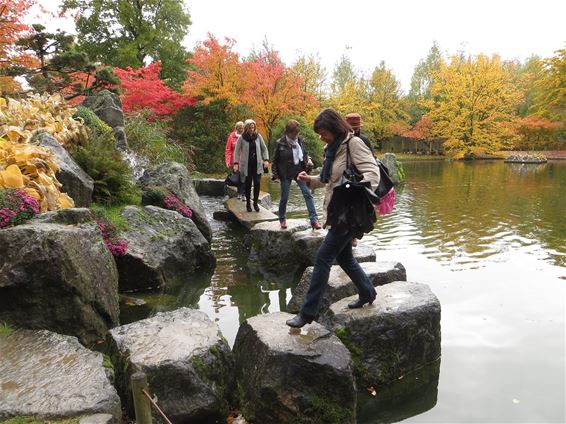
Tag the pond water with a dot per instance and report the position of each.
(489, 238)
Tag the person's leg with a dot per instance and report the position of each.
(248, 185)
(353, 269)
(313, 217)
(257, 178)
(332, 245)
(285, 188)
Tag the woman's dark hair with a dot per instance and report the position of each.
(292, 126)
(332, 121)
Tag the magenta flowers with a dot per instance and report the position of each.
(117, 246)
(16, 207)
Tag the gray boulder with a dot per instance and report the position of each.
(75, 182)
(69, 216)
(397, 334)
(50, 376)
(187, 362)
(175, 178)
(292, 376)
(392, 166)
(58, 277)
(308, 242)
(210, 187)
(107, 106)
(340, 285)
(272, 248)
(162, 245)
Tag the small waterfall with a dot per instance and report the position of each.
(137, 163)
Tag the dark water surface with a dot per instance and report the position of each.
(490, 240)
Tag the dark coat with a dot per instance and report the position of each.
(282, 166)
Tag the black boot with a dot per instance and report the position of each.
(298, 321)
(256, 206)
(361, 302)
(248, 205)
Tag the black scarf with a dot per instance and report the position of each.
(249, 138)
(329, 155)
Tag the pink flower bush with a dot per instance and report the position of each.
(117, 246)
(173, 203)
(16, 207)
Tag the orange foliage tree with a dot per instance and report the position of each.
(272, 91)
(11, 30)
(537, 133)
(216, 72)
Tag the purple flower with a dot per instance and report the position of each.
(16, 207)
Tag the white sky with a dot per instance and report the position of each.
(400, 32)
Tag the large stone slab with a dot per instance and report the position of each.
(248, 219)
(162, 245)
(187, 362)
(50, 376)
(75, 182)
(308, 242)
(58, 277)
(210, 186)
(292, 376)
(397, 334)
(273, 249)
(340, 285)
(175, 178)
(264, 198)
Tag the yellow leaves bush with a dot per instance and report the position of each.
(24, 165)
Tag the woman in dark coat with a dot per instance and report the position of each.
(337, 245)
(289, 159)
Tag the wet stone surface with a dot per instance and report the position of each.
(49, 376)
(287, 375)
(340, 285)
(187, 362)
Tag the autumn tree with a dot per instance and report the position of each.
(271, 90)
(421, 82)
(343, 74)
(385, 107)
(143, 89)
(421, 131)
(551, 100)
(473, 105)
(537, 133)
(216, 73)
(12, 29)
(126, 33)
(312, 74)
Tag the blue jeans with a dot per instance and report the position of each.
(335, 246)
(285, 188)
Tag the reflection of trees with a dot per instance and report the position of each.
(476, 208)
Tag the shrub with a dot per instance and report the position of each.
(150, 140)
(92, 121)
(16, 207)
(113, 180)
(160, 196)
(203, 131)
(110, 233)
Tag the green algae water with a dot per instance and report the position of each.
(489, 238)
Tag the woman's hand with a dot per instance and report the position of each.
(303, 176)
(236, 167)
(309, 162)
(266, 163)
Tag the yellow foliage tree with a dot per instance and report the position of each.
(474, 104)
(552, 87)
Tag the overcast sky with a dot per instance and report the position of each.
(400, 32)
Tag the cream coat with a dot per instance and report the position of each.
(360, 156)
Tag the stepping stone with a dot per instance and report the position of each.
(248, 219)
(187, 362)
(294, 376)
(50, 376)
(340, 285)
(396, 335)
